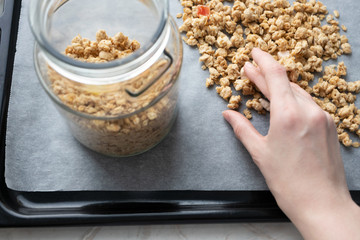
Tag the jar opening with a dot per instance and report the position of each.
(55, 23)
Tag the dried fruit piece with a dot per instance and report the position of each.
(203, 10)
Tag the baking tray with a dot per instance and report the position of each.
(21, 209)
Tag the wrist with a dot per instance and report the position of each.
(330, 220)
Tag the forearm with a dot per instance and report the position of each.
(337, 222)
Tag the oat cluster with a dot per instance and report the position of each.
(128, 123)
(336, 96)
(294, 34)
(104, 49)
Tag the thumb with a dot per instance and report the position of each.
(243, 130)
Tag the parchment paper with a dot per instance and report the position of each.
(200, 153)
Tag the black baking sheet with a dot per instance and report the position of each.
(21, 208)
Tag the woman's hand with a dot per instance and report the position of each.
(300, 157)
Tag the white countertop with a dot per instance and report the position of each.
(247, 231)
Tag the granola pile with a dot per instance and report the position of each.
(295, 34)
(126, 123)
(104, 49)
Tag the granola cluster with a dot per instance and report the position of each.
(104, 49)
(336, 96)
(124, 118)
(225, 34)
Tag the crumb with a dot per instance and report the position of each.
(344, 28)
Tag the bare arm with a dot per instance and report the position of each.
(300, 157)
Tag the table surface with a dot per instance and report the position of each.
(248, 231)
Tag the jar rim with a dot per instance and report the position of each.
(35, 20)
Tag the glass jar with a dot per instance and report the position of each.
(118, 108)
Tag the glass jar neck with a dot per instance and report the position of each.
(97, 73)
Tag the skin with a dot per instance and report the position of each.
(300, 156)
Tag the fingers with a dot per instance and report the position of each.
(274, 74)
(310, 103)
(243, 130)
(331, 123)
(254, 74)
(301, 92)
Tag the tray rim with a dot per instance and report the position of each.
(70, 208)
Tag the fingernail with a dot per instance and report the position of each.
(225, 115)
(249, 65)
(254, 49)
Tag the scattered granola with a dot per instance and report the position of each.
(225, 34)
(344, 28)
(125, 124)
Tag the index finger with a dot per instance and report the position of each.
(275, 74)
